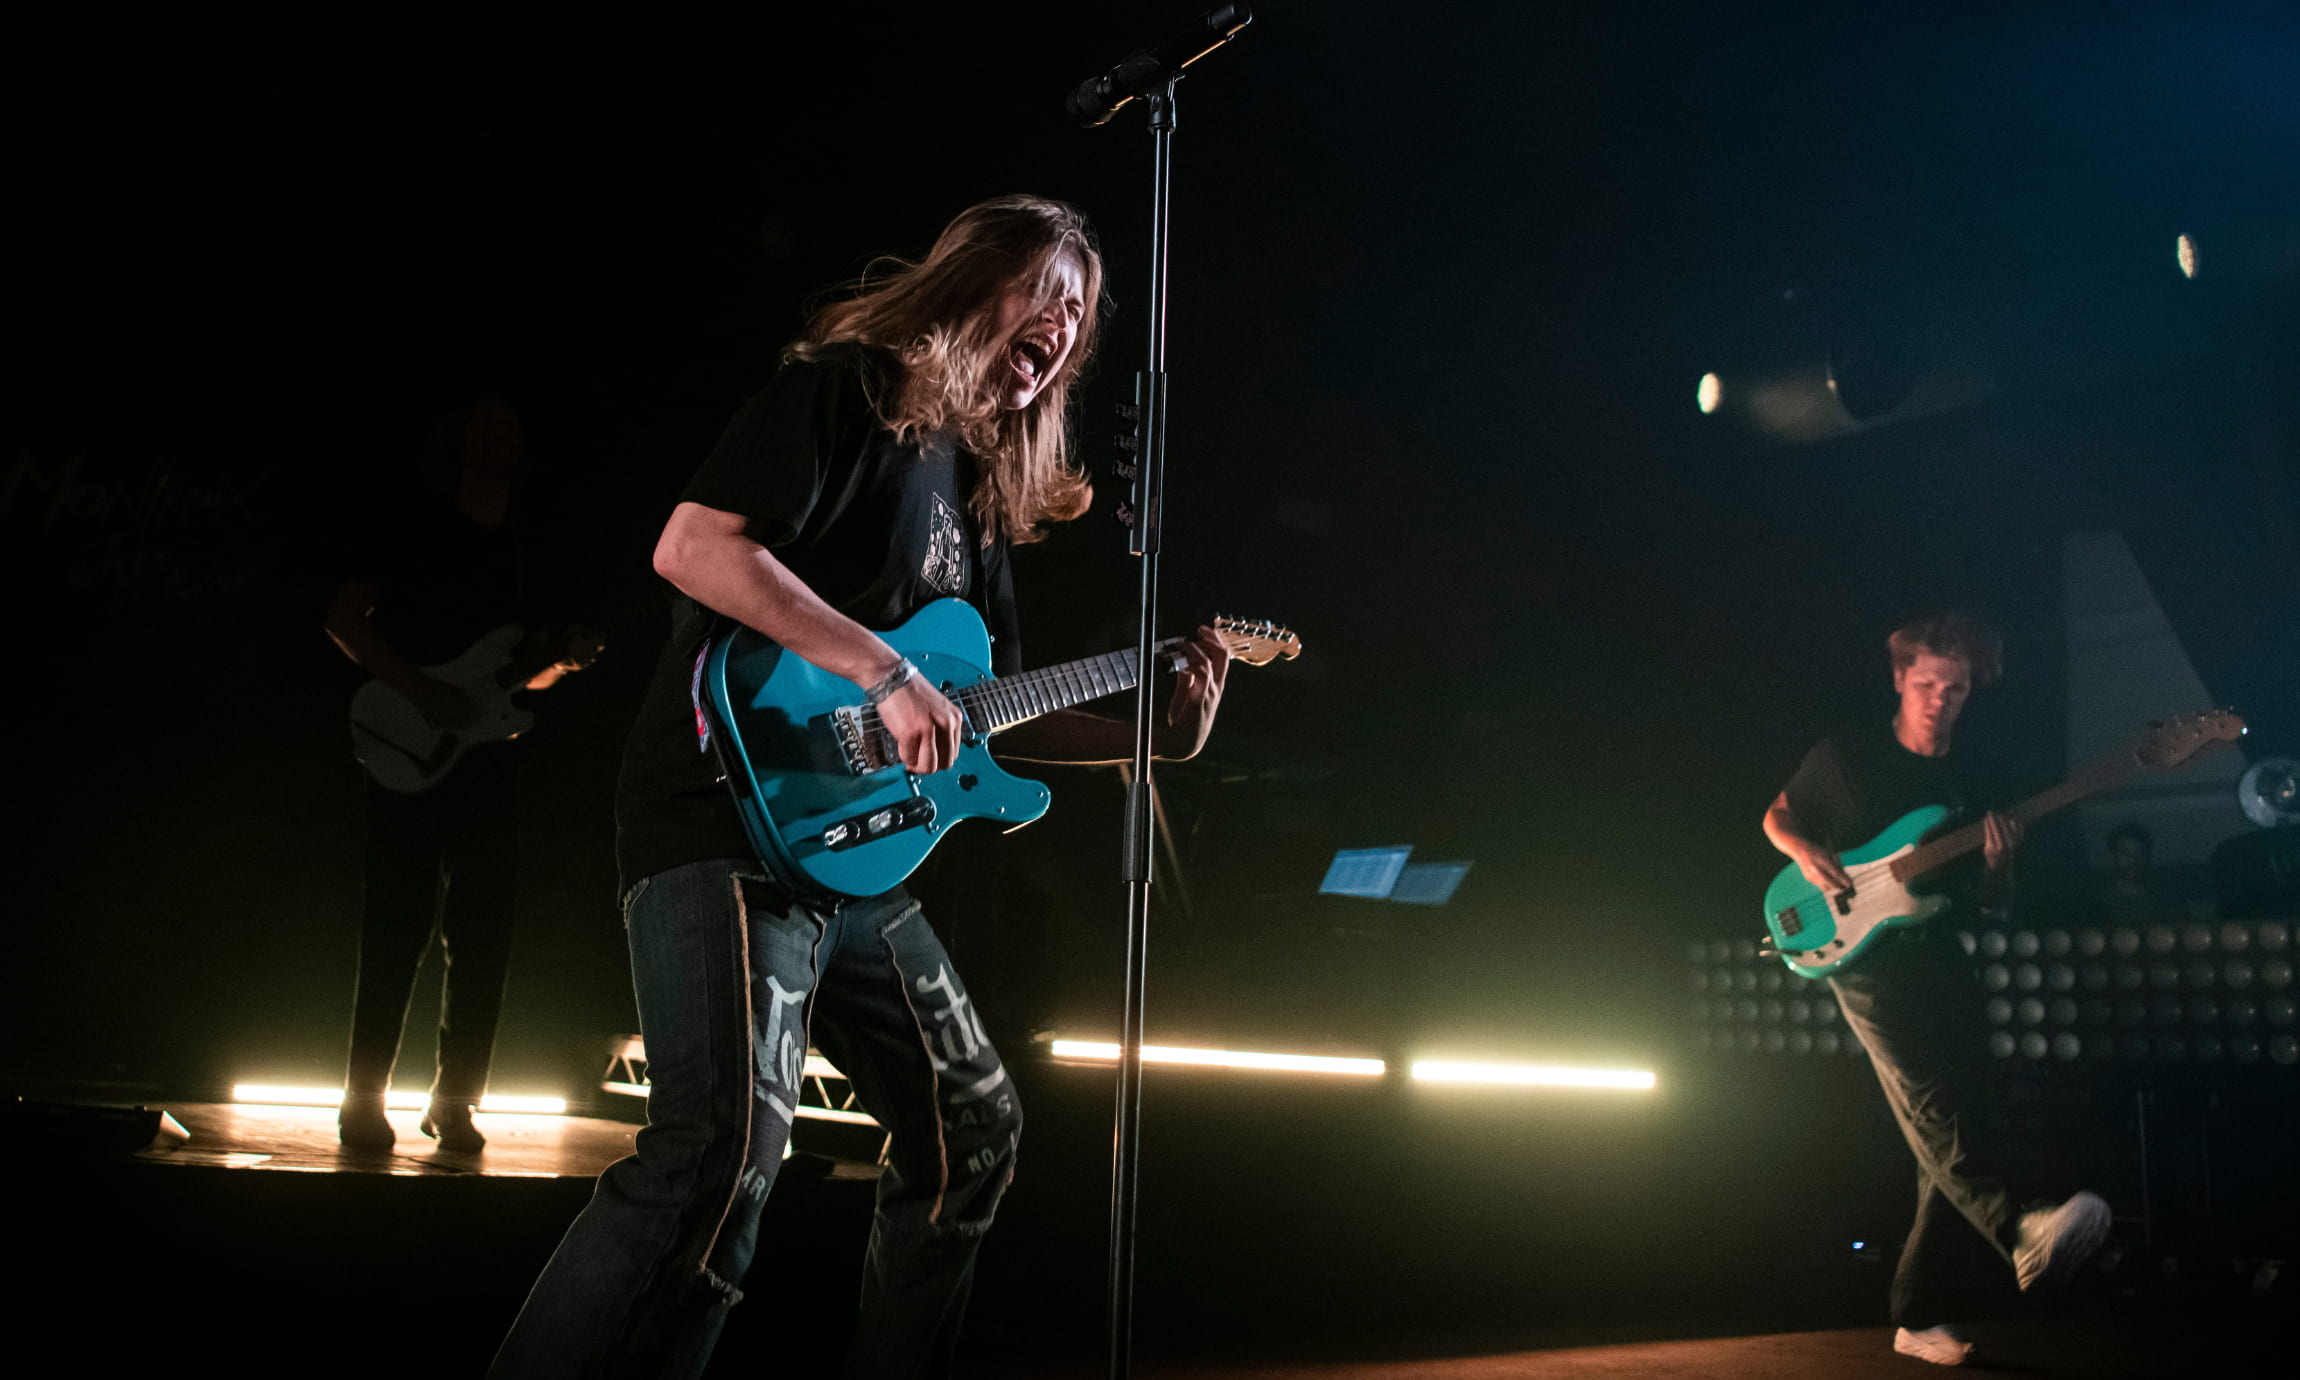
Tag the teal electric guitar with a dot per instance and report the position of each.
(1817, 933)
(822, 791)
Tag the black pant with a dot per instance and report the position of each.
(443, 863)
(1911, 1002)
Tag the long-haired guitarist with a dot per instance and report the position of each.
(911, 438)
(1910, 1000)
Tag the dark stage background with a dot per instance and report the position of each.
(1442, 290)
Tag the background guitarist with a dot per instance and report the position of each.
(1910, 1000)
(912, 436)
(433, 570)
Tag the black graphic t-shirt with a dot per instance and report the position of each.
(878, 527)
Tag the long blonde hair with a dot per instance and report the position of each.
(939, 319)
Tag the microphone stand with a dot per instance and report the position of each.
(1148, 512)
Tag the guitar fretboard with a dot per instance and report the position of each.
(1960, 841)
(993, 705)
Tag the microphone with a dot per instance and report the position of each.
(1146, 70)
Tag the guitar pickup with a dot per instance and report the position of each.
(914, 813)
(1791, 922)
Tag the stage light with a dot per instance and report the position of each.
(2091, 943)
(1710, 393)
(2235, 938)
(2162, 939)
(1432, 1071)
(2094, 976)
(2284, 1050)
(2206, 1049)
(2244, 1049)
(2062, 1011)
(1800, 1042)
(2060, 977)
(2030, 1011)
(2126, 942)
(2163, 976)
(2203, 1011)
(2241, 1011)
(2165, 1011)
(2278, 1010)
(2236, 972)
(2196, 939)
(2024, 944)
(274, 1095)
(1993, 944)
(2274, 936)
(2131, 1011)
(2130, 977)
(1996, 977)
(1826, 1042)
(2201, 973)
(2000, 1011)
(1098, 1052)
(2002, 1044)
(2066, 1047)
(2275, 972)
(2056, 943)
(2028, 977)
(2185, 253)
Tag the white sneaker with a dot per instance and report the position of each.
(2055, 1241)
(1940, 1345)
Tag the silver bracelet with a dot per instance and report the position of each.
(892, 681)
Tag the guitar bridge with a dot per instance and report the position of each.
(865, 749)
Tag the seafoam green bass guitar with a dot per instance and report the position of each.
(1817, 933)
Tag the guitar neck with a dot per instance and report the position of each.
(996, 705)
(1960, 841)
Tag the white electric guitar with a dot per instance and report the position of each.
(404, 752)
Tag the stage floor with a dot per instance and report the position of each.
(248, 1135)
(2069, 1348)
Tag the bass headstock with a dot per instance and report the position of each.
(1257, 643)
(2170, 742)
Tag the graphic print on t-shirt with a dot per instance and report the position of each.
(945, 564)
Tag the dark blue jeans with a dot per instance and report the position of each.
(732, 974)
(1913, 1005)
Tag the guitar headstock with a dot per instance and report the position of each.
(2170, 742)
(1257, 643)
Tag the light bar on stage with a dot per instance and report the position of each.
(1101, 1052)
(276, 1096)
(1433, 1071)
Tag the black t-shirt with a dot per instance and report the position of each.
(1853, 784)
(876, 526)
(441, 579)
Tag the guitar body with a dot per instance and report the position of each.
(1816, 934)
(823, 827)
(399, 747)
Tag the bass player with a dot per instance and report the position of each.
(1909, 1000)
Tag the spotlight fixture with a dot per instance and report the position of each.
(1709, 394)
(2184, 252)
